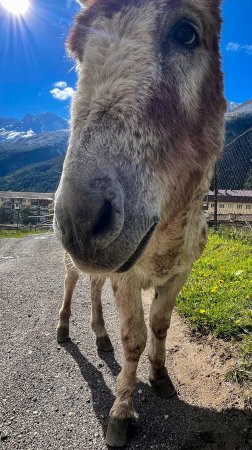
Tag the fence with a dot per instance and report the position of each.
(230, 199)
(44, 222)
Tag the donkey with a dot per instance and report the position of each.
(146, 130)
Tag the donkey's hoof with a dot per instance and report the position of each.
(118, 432)
(62, 334)
(163, 388)
(104, 344)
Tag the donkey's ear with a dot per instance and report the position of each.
(77, 37)
(78, 33)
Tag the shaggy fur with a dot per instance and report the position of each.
(147, 128)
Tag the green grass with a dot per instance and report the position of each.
(20, 233)
(218, 295)
(242, 373)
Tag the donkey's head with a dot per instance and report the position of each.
(147, 121)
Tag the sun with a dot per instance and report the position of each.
(17, 7)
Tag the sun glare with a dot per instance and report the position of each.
(17, 7)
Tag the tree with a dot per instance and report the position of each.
(25, 214)
(3, 215)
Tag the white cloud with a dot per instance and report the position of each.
(60, 84)
(233, 47)
(62, 91)
(236, 47)
(248, 48)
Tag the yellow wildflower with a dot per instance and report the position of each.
(214, 289)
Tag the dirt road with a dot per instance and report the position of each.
(58, 396)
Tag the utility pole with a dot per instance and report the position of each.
(215, 197)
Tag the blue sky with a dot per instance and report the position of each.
(37, 76)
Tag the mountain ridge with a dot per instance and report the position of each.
(13, 129)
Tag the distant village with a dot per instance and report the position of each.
(37, 206)
(232, 206)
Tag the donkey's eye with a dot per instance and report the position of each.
(186, 34)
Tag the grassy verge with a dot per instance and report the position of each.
(20, 233)
(218, 295)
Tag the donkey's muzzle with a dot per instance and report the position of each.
(92, 218)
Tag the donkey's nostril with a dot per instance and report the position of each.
(95, 217)
(104, 220)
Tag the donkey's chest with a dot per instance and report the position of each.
(173, 250)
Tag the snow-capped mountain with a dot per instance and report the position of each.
(32, 151)
(15, 130)
(14, 135)
(231, 106)
(18, 140)
(244, 107)
(238, 108)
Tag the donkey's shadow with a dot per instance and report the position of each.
(169, 424)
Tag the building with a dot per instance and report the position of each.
(232, 205)
(38, 202)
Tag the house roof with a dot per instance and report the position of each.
(233, 193)
(28, 195)
(230, 195)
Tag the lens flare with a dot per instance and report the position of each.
(16, 7)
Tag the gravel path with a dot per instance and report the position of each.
(58, 396)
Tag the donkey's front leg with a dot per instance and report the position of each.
(71, 277)
(102, 338)
(134, 335)
(160, 319)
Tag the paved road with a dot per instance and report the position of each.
(58, 396)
